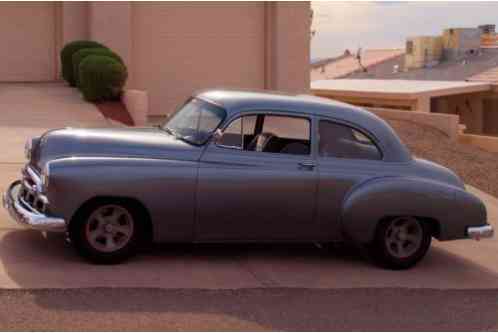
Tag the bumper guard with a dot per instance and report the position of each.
(27, 216)
(483, 231)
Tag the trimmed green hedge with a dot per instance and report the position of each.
(83, 53)
(101, 78)
(67, 57)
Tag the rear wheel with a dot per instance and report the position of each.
(401, 242)
(106, 233)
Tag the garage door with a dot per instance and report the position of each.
(27, 36)
(181, 47)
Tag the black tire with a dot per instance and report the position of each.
(79, 234)
(383, 254)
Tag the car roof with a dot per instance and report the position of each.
(235, 101)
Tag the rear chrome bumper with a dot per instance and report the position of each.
(26, 215)
(483, 231)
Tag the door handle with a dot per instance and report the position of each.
(307, 165)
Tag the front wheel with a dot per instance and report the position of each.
(105, 233)
(401, 242)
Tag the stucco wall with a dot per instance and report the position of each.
(28, 35)
(182, 47)
(289, 46)
(446, 123)
(74, 21)
(468, 106)
(172, 49)
(110, 24)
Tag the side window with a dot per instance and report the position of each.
(284, 135)
(268, 134)
(342, 141)
(239, 133)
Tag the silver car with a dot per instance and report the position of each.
(241, 166)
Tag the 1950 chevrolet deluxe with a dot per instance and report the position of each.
(239, 166)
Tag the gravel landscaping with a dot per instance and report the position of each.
(475, 166)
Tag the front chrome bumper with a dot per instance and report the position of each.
(483, 231)
(26, 215)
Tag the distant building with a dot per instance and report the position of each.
(423, 51)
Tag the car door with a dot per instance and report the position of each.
(258, 182)
(346, 156)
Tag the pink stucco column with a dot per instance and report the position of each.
(74, 21)
(110, 24)
(288, 46)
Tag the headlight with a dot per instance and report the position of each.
(28, 147)
(45, 177)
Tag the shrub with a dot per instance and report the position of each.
(101, 78)
(67, 57)
(81, 54)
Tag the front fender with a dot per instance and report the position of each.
(166, 188)
(370, 202)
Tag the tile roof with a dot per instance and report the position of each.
(345, 65)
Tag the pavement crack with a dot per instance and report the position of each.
(260, 277)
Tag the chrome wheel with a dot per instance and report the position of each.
(109, 228)
(403, 237)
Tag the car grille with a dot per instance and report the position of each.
(30, 195)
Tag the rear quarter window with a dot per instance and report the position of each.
(341, 141)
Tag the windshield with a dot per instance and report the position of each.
(195, 121)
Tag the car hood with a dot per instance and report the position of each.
(111, 142)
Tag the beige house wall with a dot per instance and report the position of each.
(490, 116)
(468, 106)
(489, 143)
(110, 24)
(445, 123)
(28, 33)
(477, 111)
(171, 49)
(74, 17)
(288, 46)
(182, 47)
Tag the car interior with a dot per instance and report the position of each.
(257, 138)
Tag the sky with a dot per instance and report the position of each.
(350, 25)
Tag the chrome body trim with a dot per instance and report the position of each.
(483, 231)
(26, 215)
(35, 177)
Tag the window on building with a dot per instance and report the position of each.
(409, 47)
(341, 141)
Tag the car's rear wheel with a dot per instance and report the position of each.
(106, 232)
(401, 242)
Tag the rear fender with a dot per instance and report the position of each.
(369, 203)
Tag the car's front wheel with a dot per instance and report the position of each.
(401, 242)
(106, 233)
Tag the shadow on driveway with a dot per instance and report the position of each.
(31, 259)
(236, 287)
